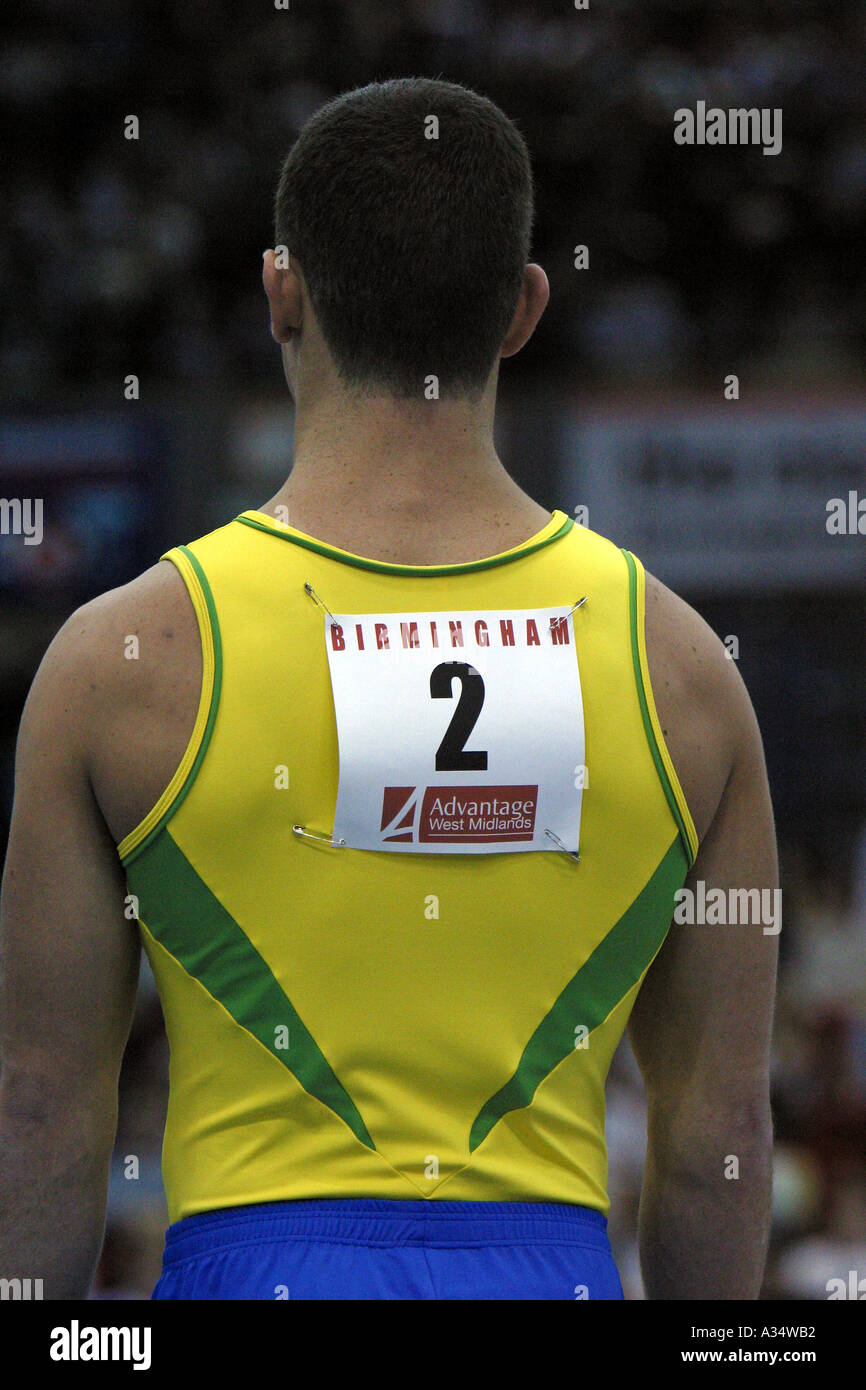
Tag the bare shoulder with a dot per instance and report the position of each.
(120, 637)
(703, 705)
(152, 607)
(120, 683)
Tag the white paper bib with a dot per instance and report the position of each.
(459, 733)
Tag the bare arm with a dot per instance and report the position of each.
(701, 1025)
(69, 971)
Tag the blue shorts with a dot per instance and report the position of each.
(384, 1249)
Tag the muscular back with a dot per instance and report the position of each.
(105, 727)
(141, 698)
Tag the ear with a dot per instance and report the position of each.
(534, 294)
(285, 297)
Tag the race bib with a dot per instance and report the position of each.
(459, 733)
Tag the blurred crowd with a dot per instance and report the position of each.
(121, 255)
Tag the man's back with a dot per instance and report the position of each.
(297, 788)
(456, 994)
(561, 972)
(147, 708)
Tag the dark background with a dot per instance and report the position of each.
(143, 257)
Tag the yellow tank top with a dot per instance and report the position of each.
(393, 1022)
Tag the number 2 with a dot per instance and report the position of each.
(451, 755)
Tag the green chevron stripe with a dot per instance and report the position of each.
(615, 965)
(211, 947)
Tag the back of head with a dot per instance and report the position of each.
(409, 205)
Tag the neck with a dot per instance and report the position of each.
(378, 475)
(410, 442)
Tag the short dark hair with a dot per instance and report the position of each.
(412, 248)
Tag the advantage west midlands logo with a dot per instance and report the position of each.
(458, 815)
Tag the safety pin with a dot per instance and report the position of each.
(308, 589)
(572, 854)
(319, 835)
(564, 617)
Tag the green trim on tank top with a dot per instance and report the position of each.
(419, 571)
(184, 790)
(644, 709)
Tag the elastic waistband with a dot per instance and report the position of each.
(377, 1222)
